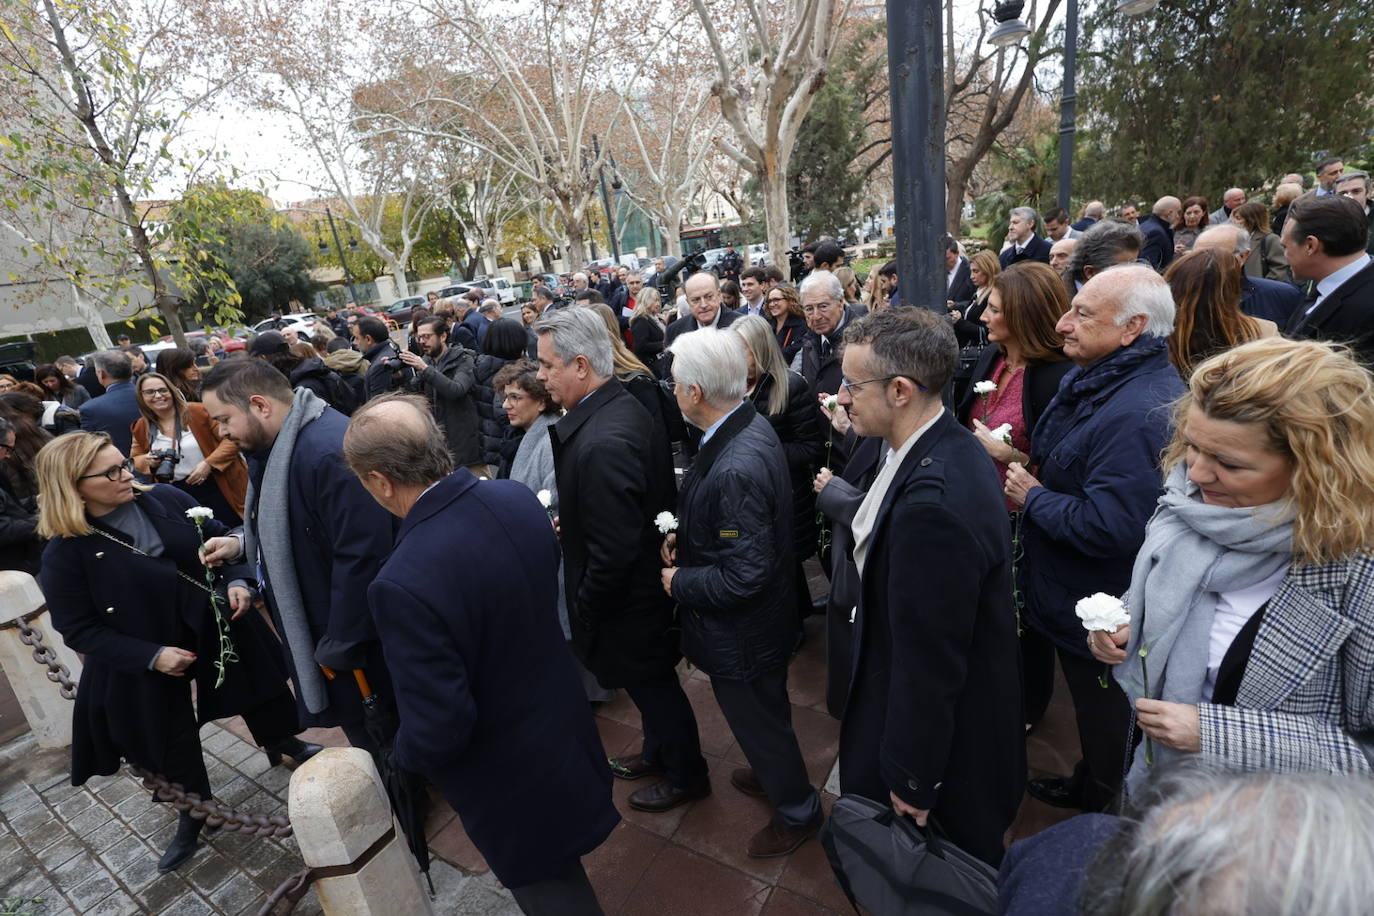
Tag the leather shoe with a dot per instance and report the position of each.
(633, 767)
(293, 747)
(183, 845)
(745, 780)
(775, 840)
(1056, 791)
(664, 796)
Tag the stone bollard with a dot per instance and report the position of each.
(338, 810)
(48, 713)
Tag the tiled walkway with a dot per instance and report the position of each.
(95, 849)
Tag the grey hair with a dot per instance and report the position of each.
(757, 334)
(1100, 246)
(115, 363)
(1095, 209)
(409, 451)
(713, 361)
(581, 276)
(1143, 292)
(488, 305)
(1027, 213)
(1351, 176)
(579, 332)
(1240, 238)
(1231, 844)
(911, 342)
(824, 280)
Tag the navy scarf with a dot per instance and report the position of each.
(1083, 383)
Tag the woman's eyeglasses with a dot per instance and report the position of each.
(114, 474)
(156, 393)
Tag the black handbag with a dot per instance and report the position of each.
(890, 866)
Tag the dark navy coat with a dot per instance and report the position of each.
(341, 538)
(117, 608)
(1158, 249)
(734, 552)
(934, 708)
(1272, 299)
(492, 710)
(113, 412)
(1081, 530)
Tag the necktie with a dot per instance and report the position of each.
(825, 348)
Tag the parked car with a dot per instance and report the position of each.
(498, 288)
(402, 310)
(301, 322)
(759, 256)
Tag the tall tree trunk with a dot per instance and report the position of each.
(100, 336)
(773, 187)
(957, 176)
(398, 275)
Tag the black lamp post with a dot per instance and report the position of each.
(915, 58)
(343, 261)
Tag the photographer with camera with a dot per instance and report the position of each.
(386, 371)
(175, 442)
(448, 377)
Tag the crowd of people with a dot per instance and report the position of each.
(1173, 413)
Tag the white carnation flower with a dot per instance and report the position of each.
(985, 387)
(665, 522)
(1003, 432)
(545, 498)
(831, 403)
(1103, 612)
(199, 512)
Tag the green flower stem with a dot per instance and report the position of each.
(1145, 679)
(227, 653)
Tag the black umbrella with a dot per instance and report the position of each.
(406, 790)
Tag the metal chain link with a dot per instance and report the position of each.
(209, 810)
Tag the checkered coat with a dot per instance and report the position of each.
(1309, 683)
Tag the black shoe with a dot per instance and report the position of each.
(183, 844)
(633, 767)
(293, 747)
(664, 796)
(1057, 792)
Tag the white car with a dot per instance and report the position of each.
(300, 322)
(759, 256)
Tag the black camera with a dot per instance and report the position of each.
(796, 264)
(394, 364)
(166, 464)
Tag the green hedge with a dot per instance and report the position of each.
(49, 345)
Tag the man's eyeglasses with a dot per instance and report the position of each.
(114, 474)
(852, 387)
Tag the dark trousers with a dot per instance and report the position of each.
(566, 892)
(760, 717)
(269, 723)
(1103, 716)
(670, 731)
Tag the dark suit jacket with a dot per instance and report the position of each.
(1261, 298)
(1158, 249)
(491, 708)
(823, 374)
(608, 495)
(688, 323)
(1037, 249)
(86, 378)
(934, 711)
(114, 412)
(340, 539)
(1345, 316)
(649, 336)
(118, 607)
(962, 289)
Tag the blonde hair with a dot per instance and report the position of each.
(61, 510)
(626, 363)
(648, 297)
(849, 283)
(757, 334)
(1316, 404)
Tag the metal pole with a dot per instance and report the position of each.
(348, 275)
(915, 70)
(1066, 107)
(606, 200)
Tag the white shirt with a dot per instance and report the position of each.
(949, 277)
(191, 455)
(1234, 610)
(862, 526)
(1331, 282)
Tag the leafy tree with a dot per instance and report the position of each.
(1205, 94)
(824, 182)
(270, 265)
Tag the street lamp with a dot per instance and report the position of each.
(1010, 29)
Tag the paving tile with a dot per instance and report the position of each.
(236, 894)
(259, 858)
(102, 838)
(17, 800)
(149, 820)
(819, 738)
(453, 846)
(91, 891)
(135, 805)
(618, 864)
(440, 816)
(75, 870)
(61, 852)
(36, 816)
(44, 835)
(719, 827)
(116, 904)
(116, 790)
(681, 883)
(665, 824)
(159, 896)
(618, 738)
(191, 905)
(255, 765)
(237, 752)
(60, 791)
(210, 872)
(808, 874)
(622, 709)
(219, 741)
(74, 805)
(783, 902)
(276, 781)
(140, 873)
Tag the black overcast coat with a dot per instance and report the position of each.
(734, 552)
(615, 474)
(117, 608)
(799, 430)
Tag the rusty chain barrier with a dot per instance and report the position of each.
(209, 810)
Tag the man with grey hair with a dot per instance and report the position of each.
(1158, 229)
(1105, 245)
(933, 721)
(1232, 199)
(818, 360)
(1355, 185)
(1096, 449)
(1060, 253)
(115, 411)
(490, 705)
(615, 475)
(1093, 213)
(1259, 298)
(702, 290)
(729, 568)
(1023, 244)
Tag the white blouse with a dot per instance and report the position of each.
(1234, 610)
(191, 455)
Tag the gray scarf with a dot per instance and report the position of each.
(1192, 553)
(267, 537)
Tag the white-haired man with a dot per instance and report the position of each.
(609, 494)
(702, 290)
(729, 568)
(1096, 449)
(1232, 199)
(1259, 298)
(822, 300)
(1093, 212)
